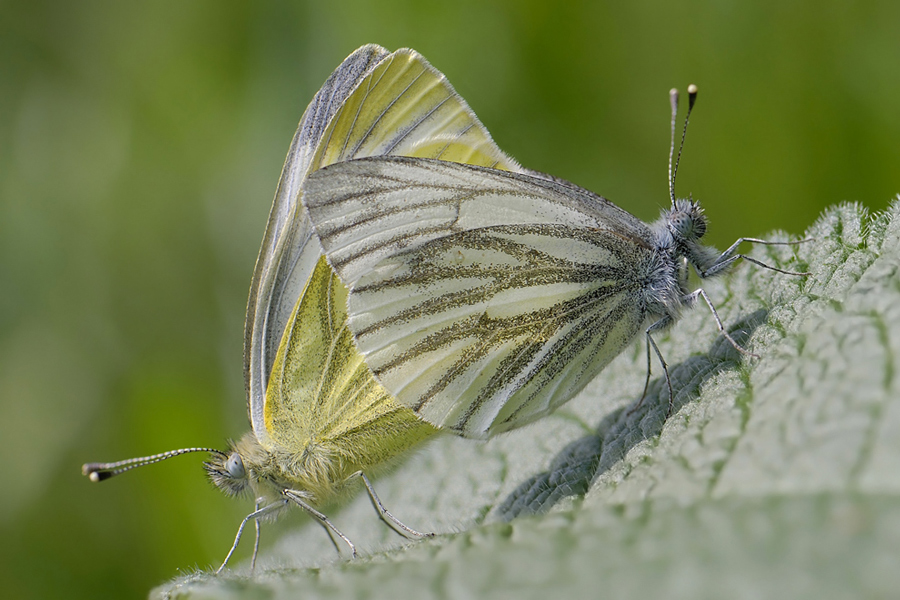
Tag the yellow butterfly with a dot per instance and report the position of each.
(320, 420)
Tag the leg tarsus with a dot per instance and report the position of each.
(255, 543)
(386, 516)
(297, 499)
(658, 325)
(646, 382)
(256, 514)
(665, 368)
(719, 324)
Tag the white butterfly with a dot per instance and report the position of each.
(484, 299)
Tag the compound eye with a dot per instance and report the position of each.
(235, 466)
(699, 227)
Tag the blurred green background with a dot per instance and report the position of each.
(140, 145)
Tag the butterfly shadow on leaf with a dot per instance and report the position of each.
(582, 461)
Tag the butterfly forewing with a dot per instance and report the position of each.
(481, 299)
(370, 209)
(405, 107)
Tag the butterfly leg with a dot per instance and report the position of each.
(334, 542)
(665, 367)
(728, 257)
(691, 299)
(255, 515)
(386, 515)
(297, 498)
(663, 323)
(255, 543)
(646, 385)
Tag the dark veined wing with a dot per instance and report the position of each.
(374, 103)
(481, 299)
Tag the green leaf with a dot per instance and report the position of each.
(775, 476)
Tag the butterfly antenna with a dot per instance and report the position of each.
(673, 102)
(102, 471)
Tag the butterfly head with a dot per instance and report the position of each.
(686, 221)
(234, 471)
(682, 228)
(227, 472)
